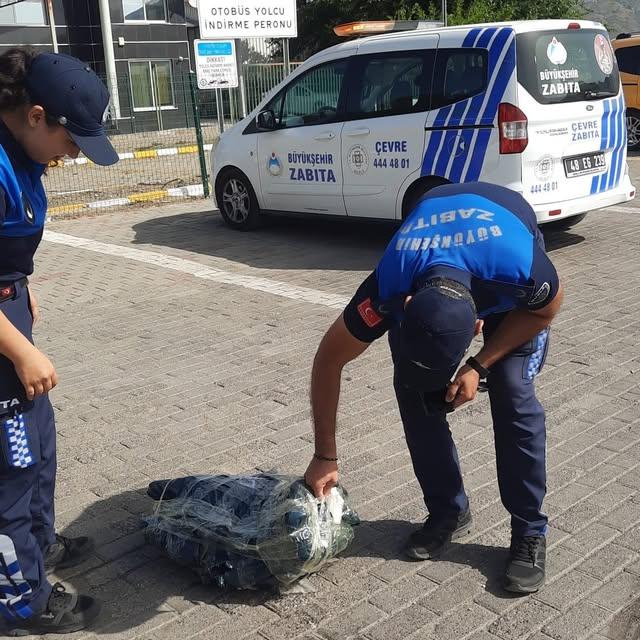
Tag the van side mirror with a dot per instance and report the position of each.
(266, 120)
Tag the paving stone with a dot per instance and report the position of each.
(402, 624)
(607, 561)
(625, 625)
(522, 620)
(578, 622)
(567, 590)
(617, 592)
(590, 538)
(448, 595)
(624, 517)
(401, 593)
(463, 621)
(577, 516)
(351, 623)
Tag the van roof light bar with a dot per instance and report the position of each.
(372, 27)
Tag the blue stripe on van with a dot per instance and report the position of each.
(623, 154)
(604, 136)
(622, 141)
(442, 117)
(495, 38)
(485, 38)
(450, 139)
(611, 143)
(607, 180)
(474, 115)
(614, 141)
(434, 142)
(504, 75)
(470, 38)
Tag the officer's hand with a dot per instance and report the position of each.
(37, 374)
(321, 476)
(464, 387)
(35, 307)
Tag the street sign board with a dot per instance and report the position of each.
(247, 19)
(216, 66)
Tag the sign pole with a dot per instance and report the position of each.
(241, 78)
(286, 57)
(220, 107)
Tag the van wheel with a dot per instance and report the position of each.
(417, 190)
(633, 129)
(237, 201)
(566, 224)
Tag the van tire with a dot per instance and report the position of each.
(237, 200)
(566, 223)
(633, 129)
(417, 190)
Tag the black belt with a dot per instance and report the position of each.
(8, 289)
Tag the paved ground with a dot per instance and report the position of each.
(177, 353)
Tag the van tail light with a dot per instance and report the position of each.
(574, 25)
(514, 134)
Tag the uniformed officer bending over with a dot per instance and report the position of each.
(469, 258)
(50, 106)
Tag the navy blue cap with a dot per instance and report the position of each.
(68, 89)
(436, 331)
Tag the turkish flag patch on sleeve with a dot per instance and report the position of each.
(368, 313)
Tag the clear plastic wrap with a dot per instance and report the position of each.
(248, 531)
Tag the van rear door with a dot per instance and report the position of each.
(569, 90)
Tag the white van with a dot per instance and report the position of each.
(364, 128)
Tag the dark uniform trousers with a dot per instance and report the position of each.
(520, 439)
(27, 481)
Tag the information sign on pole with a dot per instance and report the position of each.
(216, 66)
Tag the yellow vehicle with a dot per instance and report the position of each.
(627, 50)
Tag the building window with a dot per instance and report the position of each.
(151, 85)
(27, 12)
(144, 10)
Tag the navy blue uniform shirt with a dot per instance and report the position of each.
(479, 234)
(23, 207)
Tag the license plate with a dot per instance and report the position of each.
(584, 165)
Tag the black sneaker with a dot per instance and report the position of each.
(526, 566)
(65, 613)
(67, 552)
(435, 535)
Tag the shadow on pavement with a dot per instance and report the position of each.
(558, 239)
(282, 243)
(385, 539)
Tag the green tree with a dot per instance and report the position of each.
(317, 18)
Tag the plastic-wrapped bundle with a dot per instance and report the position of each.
(248, 531)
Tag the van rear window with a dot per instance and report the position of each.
(567, 65)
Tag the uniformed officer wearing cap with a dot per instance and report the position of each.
(51, 106)
(469, 258)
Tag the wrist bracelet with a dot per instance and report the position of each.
(474, 364)
(317, 456)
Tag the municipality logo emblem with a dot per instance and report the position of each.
(274, 165)
(358, 160)
(556, 52)
(604, 54)
(544, 168)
